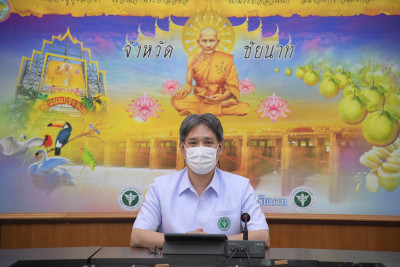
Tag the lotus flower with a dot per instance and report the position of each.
(246, 86)
(170, 87)
(273, 108)
(144, 107)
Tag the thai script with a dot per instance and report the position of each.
(60, 89)
(71, 2)
(268, 51)
(271, 201)
(165, 2)
(146, 50)
(319, 2)
(64, 101)
(259, 2)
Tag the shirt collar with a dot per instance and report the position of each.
(186, 184)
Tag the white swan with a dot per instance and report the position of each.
(47, 172)
(12, 147)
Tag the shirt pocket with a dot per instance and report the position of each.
(225, 222)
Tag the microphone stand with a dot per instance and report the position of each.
(245, 231)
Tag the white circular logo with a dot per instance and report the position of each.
(130, 198)
(302, 198)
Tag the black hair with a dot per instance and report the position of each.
(194, 120)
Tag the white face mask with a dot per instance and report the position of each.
(200, 159)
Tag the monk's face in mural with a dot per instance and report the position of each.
(208, 40)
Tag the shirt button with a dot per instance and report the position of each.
(200, 207)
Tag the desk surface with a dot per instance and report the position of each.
(80, 254)
(104, 256)
(328, 255)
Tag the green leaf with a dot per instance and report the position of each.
(394, 115)
(363, 99)
(43, 97)
(380, 89)
(373, 108)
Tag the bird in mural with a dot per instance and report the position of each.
(91, 127)
(13, 147)
(47, 173)
(87, 158)
(63, 135)
(48, 141)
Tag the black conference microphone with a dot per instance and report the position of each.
(245, 217)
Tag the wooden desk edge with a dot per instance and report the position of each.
(132, 215)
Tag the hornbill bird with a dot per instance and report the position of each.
(63, 135)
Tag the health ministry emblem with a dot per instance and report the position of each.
(302, 198)
(130, 198)
(5, 10)
(224, 223)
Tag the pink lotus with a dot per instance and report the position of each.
(246, 86)
(144, 107)
(274, 107)
(170, 87)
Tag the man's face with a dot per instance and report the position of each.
(201, 135)
(208, 40)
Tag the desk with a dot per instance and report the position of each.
(126, 255)
(76, 255)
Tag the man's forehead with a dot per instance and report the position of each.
(201, 132)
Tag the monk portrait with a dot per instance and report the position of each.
(216, 88)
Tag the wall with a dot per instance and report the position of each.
(380, 236)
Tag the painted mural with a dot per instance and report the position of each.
(93, 94)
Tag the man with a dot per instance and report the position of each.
(200, 198)
(217, 86)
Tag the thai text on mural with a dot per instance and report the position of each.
(268, 51)
(271, 201)
(63, 101)
(260, 2)
(158, 50)
(71, 2)
(319, 2)
(56, 89)
(140, 2)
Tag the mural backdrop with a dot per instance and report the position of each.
(93, 93)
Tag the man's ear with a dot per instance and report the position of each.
(221, 148)
(182, 149)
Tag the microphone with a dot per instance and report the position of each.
(245, 217)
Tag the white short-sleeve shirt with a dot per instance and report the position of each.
(172, 205)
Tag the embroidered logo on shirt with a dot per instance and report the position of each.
(130, 198)
(224, 223)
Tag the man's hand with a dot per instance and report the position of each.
(197, 231)
(183, 93)
(216, 97)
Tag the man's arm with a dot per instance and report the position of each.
(258, 227)
(144, 238)
(187, 89)
(148, 221)
(254, 235)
